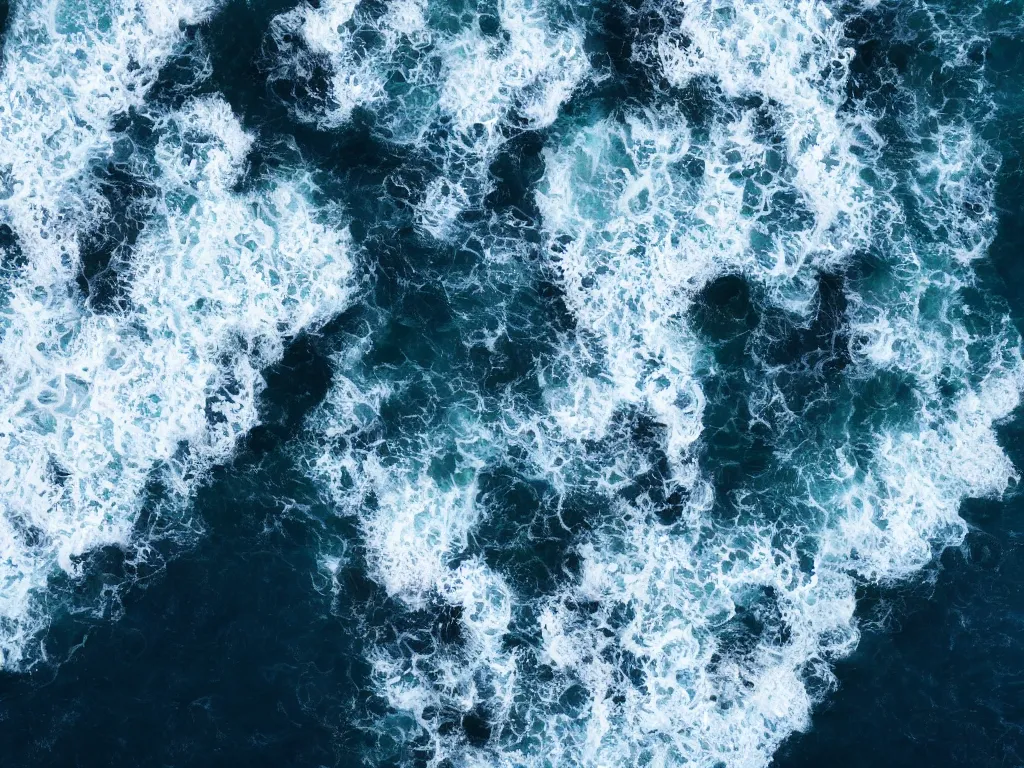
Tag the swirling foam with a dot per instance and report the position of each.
(434, 78)
(703, 620)
(97, 406)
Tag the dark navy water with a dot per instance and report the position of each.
(228, 642)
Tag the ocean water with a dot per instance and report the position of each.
(518, 383)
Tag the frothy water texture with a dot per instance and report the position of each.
(97, 405)
(660, 335)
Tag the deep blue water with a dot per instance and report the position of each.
(227, 641)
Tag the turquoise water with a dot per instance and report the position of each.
(525, 383)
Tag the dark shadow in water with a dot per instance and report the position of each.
(5, 19)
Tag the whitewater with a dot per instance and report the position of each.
(659, 332)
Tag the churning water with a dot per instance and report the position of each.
(518, 383)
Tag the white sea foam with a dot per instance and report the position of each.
(476, 78)
(416, 532)
(326, 34)
(96, 406)
(705, 639)
(880, 521)
(478, 88)
(68, 70)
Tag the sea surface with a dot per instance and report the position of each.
(518, 383)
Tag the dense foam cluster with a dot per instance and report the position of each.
(97, 406)
(456, 84)
(69, 69)
(872, 502)
(619, 459)
(701, 623)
